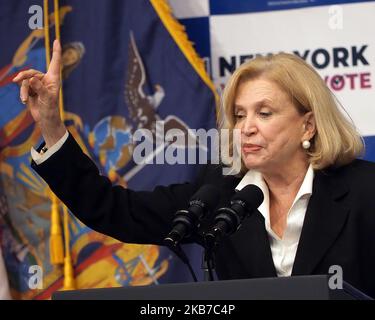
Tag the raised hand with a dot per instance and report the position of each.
(40, 92)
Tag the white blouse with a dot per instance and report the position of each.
(283, 249)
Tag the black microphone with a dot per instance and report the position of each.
(187, 221)
(229, 219)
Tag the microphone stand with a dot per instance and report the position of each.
(208, 261)
(208, 266)
(176, 248)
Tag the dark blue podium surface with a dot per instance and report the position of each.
(295, 288)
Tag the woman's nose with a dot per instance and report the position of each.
(248, 126)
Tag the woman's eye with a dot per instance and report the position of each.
(265, 114)
(239, 116)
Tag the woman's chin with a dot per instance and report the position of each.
(253, 165)
(252, 162)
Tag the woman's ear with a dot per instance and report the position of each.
(309, 126)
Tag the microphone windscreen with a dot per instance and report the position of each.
(251, 195)
(208, 194)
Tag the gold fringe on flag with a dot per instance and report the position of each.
(69, 281)
(177, 32)
(56, 237)
(56, 248)
(46, 33)
(56, 241)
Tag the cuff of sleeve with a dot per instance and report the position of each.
(40, 158)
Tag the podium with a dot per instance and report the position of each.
(294, 288)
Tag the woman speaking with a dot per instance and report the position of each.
(296, 146)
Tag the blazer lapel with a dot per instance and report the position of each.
(325, 217)
(251, 243)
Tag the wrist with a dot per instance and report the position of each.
(52, 133)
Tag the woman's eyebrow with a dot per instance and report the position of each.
(238, 107)
(266, 102)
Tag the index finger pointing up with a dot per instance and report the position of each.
(55, 65)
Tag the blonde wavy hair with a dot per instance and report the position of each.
(336, 141)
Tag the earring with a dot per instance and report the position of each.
(306, 144)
